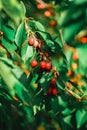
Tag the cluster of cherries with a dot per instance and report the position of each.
(44, 65)
(52, 88)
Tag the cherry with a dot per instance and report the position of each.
(35, 44)
(74, 66)
(43, 64)
(49, 91)
(53, 23)
(54, 91)
(40, 45)
(31, 41)
(48, 66)
(46, 54)
(41, 6)
(84, 40)
(75, 56)
(33, 63)
(53, 81)
(47, 13)
(70, 73)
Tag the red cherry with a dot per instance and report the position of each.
(49, 91)
(41, 6)
(48, 66)
(31, 41)
(54, 91)
(43, 64)
(47, 13)
(53, 81)
(53, 23)
(46, 54)
(84, 40)
(75, 56)
(33, 63)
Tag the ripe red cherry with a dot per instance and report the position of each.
(53, 81)
(48, 66)
(53, 23)
(46, 54)
(49, 91)
(33, 63)
(54, 91)
(43, 64)
(47, 13)
(31, 41)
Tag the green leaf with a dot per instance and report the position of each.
(51, 45)
(23, 8)
(3, 52)
(62, 102)
(35, 25)
(45, 81)
(33, 82)
(1, 5)
(55, 61)
(55, 105)
(71, 30)
(67, 120)
(39, 26)
(15, 87)
(66, 111)
(26, 51)
(17, 71)
(20, 36)
(9, 33)
(7, 61)
(60, 84)
(81, 117)
(14, 10)
(82, 52)
(29, 113)
(80, 1)
(11, 47)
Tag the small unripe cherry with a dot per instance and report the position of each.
(48, 66)
(32, 41)
(74, 66)
(33, 63)
(35, 44)
(54, 91)
(39, 45)
(43, 64)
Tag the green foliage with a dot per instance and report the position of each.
(13, 9)
(82, 117)
(20, 35)
(73, 23)
(39, 97)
